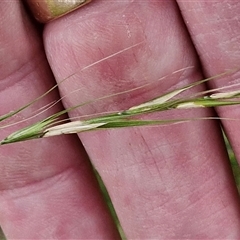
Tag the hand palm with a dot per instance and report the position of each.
(171, 181)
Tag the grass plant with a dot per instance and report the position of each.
(131, 117)
(135, 116)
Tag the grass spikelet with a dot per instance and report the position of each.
(53, 126)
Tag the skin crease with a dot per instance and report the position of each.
(170, 182)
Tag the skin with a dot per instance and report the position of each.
(168, 182)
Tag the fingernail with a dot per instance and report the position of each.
(47, 10)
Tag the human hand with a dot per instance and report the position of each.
(165, 182)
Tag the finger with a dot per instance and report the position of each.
(47, 188)
(172, 181)
(215, 32)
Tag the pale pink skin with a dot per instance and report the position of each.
(165, 182)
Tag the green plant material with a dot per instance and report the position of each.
(2, 237)
(52, 125)
(233, 161)
(126, 118)
(109, 204)
(12, 113)
(27, 133)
